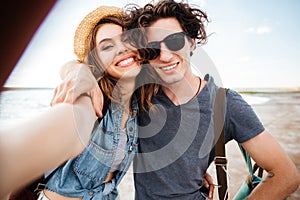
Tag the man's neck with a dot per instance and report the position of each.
(185, 90)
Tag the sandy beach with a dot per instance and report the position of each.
(281, 117)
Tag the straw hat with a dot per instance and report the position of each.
(84, 30)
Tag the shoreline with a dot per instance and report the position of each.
(281, 118)
(279, 112)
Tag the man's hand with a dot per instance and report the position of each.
(77, 80)
(208, 183)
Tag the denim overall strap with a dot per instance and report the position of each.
(100, 192)
(94, 194)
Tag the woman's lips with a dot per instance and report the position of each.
(125, 62)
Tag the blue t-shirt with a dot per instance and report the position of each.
(176, 142)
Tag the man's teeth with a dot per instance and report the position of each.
(169, 67)
(126, 61)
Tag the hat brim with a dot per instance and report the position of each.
(86, 26)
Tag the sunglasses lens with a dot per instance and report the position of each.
(152, 50)
(153, 53)
(153, 45)
(149, 53)
(175, 41)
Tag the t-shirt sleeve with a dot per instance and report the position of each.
(241, 122)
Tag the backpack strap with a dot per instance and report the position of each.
(251, 180)
(220, 159)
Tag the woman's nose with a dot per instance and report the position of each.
(121, 48)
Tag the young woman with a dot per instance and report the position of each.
(64, 130)
(95, 173)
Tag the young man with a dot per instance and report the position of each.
(173, 160)
(177, 138)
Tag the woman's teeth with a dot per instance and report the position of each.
(126, 62)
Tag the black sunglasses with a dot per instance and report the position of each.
(174, 42)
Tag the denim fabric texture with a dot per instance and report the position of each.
(83, 176)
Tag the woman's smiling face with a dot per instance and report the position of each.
(117, 56)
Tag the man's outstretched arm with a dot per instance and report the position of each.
(37, 145)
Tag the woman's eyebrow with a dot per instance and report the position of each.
(105, 40)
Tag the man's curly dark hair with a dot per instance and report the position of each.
(192, 20)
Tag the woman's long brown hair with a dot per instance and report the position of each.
(144, 81)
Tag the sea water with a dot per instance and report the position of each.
(24, 103)
(17, 105)
(21, 104)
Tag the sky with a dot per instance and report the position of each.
(251, 44)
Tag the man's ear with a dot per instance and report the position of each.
(192, 45)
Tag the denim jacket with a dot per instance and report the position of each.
(83, 176)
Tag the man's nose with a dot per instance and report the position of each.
(165, 53)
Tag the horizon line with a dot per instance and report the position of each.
(6, 88)
(249, 90)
